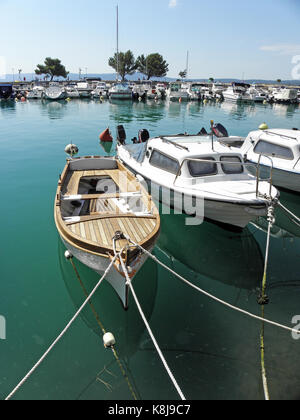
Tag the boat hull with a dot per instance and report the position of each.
(282, 178)
(100, 264)
(229, 213)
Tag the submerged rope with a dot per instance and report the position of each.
(114, 351)
(61, 334)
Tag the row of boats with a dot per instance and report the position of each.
(175, 91)
(107, 207)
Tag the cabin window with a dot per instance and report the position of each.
(199, 168)
(230, 168)
(273, 150)
(164, 162)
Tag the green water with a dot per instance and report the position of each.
(213, 352)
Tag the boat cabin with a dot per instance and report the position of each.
(282, 147)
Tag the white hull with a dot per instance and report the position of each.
(55, 95)
(100, 264)
(235, 214)
(282, 178)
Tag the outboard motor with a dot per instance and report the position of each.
(121, 134)
(144, 136)
(219, 131)
(203, 132)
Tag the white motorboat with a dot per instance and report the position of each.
(55, 93)
(37, 92)
(195, 91)
(138, 91)
(284, 95)
(97, 205)
(278, 151)
(100, 90)
(84, 89)
(120, 91)
(257, 94)
(194, 169)
(178, 91)
(237, 92)
(72, 92)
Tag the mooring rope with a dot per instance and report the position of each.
(150, 331)
(276, 324)
(61, 334)
(114, 351)
(263, 300)
(293, 217)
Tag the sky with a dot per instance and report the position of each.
(225, 38)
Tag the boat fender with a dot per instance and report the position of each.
(71, 149)
(109, 340)
(263, 126)
(68, 255)
(106, 137)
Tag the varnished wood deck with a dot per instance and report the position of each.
(94, 232)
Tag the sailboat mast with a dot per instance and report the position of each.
(187, 64)
(117, 42)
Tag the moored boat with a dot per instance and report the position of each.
(120, 91)
(97, 202)
(200, 178)
(55, 93)
(277, 150)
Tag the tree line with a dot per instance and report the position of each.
(153, 65)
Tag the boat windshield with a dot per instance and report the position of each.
(137, 151)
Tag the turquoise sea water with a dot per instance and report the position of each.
(213, 352)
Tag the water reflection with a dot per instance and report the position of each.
(286, 111)
(213, 252)
(126, 326)
(239, 111)
(124, 112)
(55, 110)
(284, 227)
(8, 106)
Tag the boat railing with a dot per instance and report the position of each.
(257, 168)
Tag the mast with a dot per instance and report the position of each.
(187, 64)
(117, 43)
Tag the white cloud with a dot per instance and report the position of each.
(282, 49)
(173, 3)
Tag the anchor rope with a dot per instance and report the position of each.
(114, 351)
(150, 331)
(21, 383)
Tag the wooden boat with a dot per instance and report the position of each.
(97, 201)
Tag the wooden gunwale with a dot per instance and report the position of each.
(105, 247)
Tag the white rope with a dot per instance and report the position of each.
(150, 333)
(292, 215)
(293, 330)
(61, 334)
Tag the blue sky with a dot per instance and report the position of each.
(225, 38)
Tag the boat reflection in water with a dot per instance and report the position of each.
(213, 252)
(126, 326)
